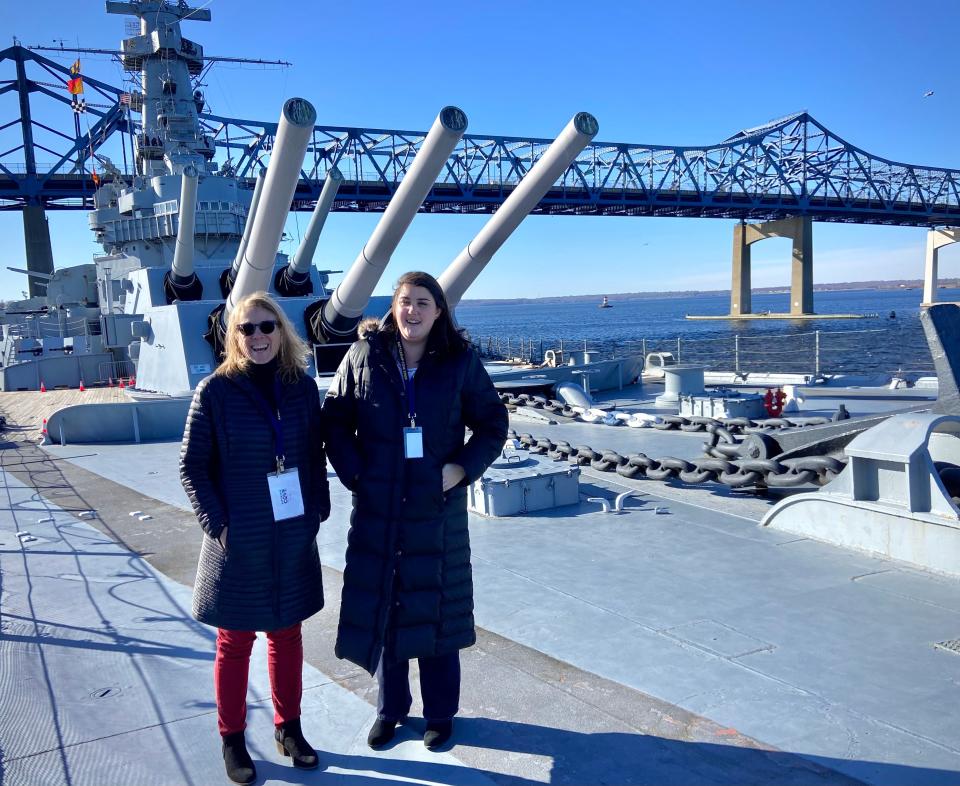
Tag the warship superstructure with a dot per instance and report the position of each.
(184, 238)
(171, 233)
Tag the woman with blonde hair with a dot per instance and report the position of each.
(253, 466)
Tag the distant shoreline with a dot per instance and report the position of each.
(613, 297)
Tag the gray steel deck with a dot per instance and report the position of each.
(685, 646)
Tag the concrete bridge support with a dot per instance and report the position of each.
(936, 239)
(800, 230)
(36, 235)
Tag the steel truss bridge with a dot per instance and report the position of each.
(794, 166)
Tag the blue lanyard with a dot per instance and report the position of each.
(273, 417)
(407, 383)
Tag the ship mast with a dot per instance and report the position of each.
(170, 137)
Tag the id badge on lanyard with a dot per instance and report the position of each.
(286, 498)
(412, 434)
(285, 494)
(413, 442)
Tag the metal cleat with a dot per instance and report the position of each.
(604, 503)
(618, 502)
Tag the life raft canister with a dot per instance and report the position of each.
(773, 401)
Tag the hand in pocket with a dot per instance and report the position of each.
(452, 475)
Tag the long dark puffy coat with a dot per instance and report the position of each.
(268, 577)
(408, 573)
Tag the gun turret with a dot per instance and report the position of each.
(181, 282)
(279, 184)
(336, 319)
(294, 279)
(230, 274)
(462, 272)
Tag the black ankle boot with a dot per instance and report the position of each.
(437, 734)
(236, 760)
(290, 742)
(381, 733)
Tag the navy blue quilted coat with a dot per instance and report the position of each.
(268, 577)
(408, 579)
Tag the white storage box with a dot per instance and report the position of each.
(724, 405)
(522, 483)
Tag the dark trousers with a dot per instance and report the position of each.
(439, 687)
(232, 665)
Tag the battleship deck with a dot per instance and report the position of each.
(677, 642)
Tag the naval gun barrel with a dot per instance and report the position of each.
(41, 276)
(181, 282)
(279, 184)
(462, 272)
(182, 269)
(341, 313)
(294, 279)
(230, 274)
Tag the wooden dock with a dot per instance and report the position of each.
(26, 410)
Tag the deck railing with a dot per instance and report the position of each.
(814, 353)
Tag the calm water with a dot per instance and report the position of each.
(878, 344)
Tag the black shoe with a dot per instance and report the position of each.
(381, 732)
(236, 760)
(290, 742)
(437, 734)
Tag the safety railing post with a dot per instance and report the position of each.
(736, 355)
(816, 354)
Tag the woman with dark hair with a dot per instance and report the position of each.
(255, 472)
(395, 419)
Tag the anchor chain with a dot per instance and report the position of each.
(716, 468)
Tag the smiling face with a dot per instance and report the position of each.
(260, 347)
(414, 311)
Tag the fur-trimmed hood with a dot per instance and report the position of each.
(371, 326)
(368, 327)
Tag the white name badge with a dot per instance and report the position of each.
(413, 442)
(285, 494)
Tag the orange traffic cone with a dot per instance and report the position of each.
(121, 385)
(43, 429)
(109, 382)
(43, 388)
(82, 388)
(133, 382)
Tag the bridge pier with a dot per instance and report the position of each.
(936, 239)
(36, 236)
(800, 230)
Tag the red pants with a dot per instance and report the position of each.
(232, 664)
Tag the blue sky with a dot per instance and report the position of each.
(656, 73)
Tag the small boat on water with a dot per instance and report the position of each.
(605, 303)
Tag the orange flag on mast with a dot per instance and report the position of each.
(75, 85)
